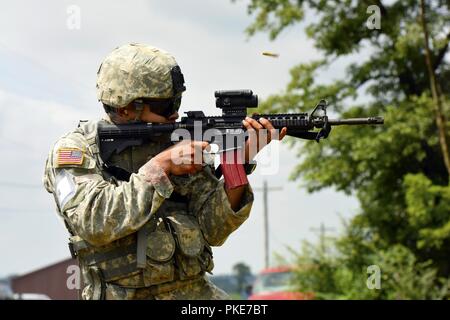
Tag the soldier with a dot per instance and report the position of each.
(142, 226)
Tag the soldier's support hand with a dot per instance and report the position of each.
(260, 133)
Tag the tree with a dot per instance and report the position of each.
(242, 273)
(399, 171)
(435, 92)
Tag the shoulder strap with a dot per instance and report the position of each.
(89, 130)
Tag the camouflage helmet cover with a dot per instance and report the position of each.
(135, 71)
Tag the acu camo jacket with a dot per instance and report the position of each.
(151, 231)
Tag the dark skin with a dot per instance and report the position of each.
(178, 159)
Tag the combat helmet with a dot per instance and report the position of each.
(138, 71)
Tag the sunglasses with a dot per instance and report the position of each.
(162, 107)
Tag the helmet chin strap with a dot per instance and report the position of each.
(138, 114)
(139, 109)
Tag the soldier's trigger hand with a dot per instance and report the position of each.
(185, 157)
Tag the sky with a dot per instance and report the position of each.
(47, 84)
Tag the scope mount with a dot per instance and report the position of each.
(235, 102)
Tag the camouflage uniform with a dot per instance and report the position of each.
(148, 236)
(182, 215)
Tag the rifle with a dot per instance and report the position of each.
(227, 131)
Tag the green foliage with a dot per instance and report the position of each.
(242, 272)
(405, 278)
(428, 208)
(402, 277)
(274, 16)
(397, 170)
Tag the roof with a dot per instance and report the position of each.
(46, 268)
(277, 269)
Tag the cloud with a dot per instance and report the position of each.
(33, 123)
(212, 54)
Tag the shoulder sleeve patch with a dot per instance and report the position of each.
(69, 156)
(65, 188)
(72, 150)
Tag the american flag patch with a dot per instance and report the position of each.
(70, 156)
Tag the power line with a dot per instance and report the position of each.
(322, 230)
(6, 210)
(20, 185)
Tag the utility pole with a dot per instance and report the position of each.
(322, 231)
(265, 189)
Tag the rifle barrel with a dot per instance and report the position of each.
(356, 121)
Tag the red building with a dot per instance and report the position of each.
(57, 281)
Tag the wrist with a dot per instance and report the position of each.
(153, 173)
(161, 164)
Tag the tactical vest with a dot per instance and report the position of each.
(169, 247)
